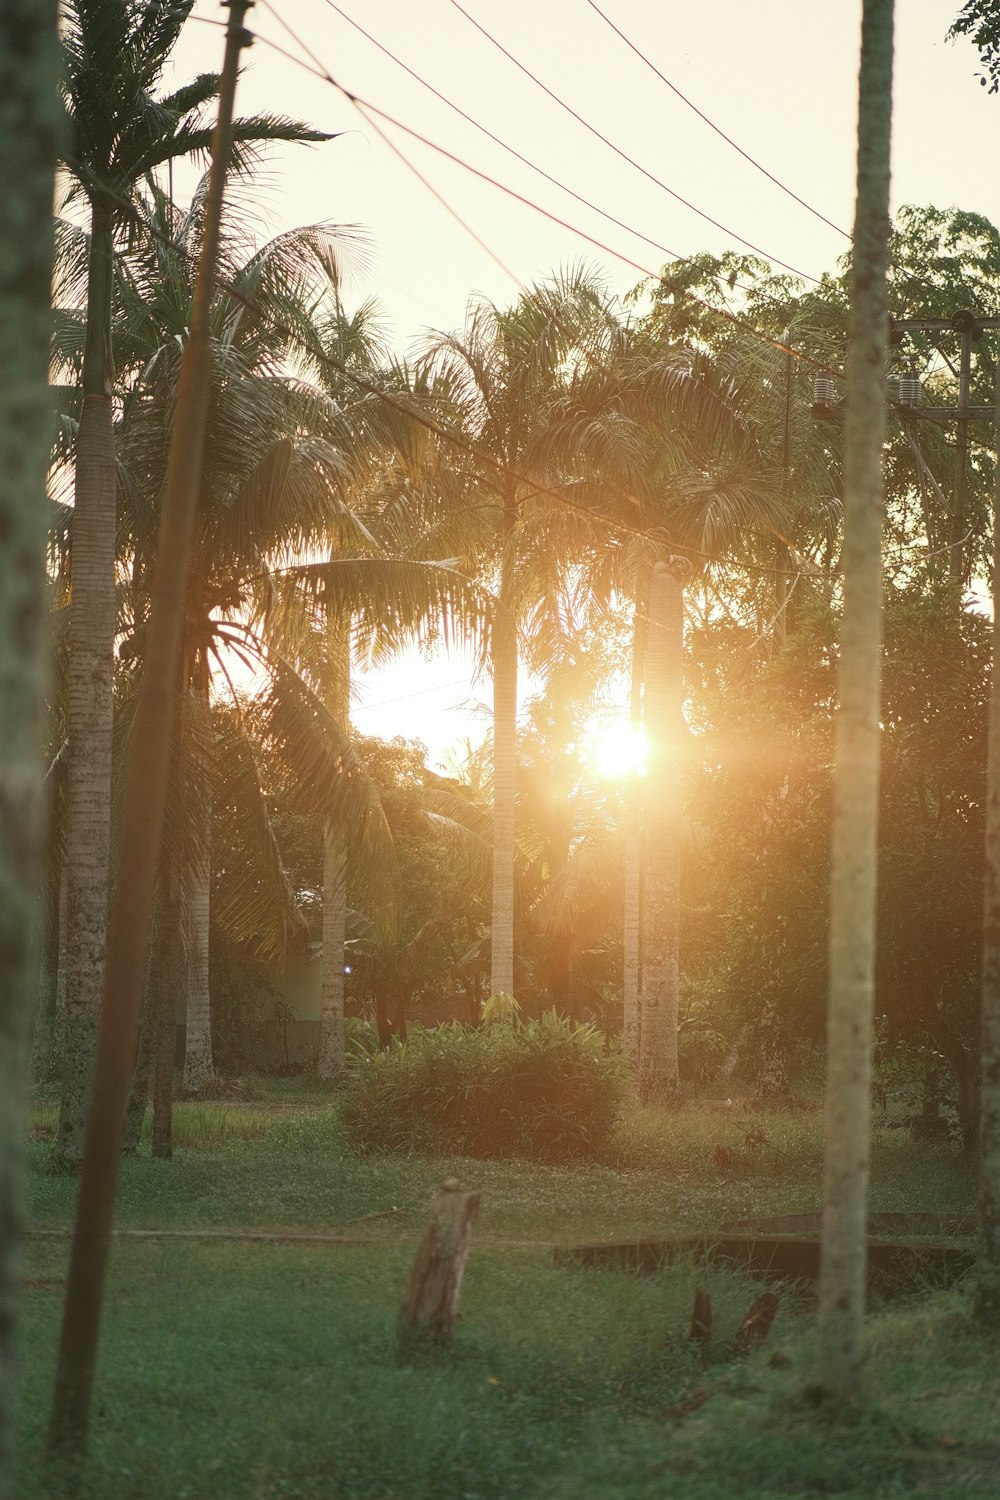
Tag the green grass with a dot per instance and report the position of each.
(267, 1372)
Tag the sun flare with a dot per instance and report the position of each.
(615, 749)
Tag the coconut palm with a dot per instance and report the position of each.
(512, 375)
(28, 72)
(120, 133)
(285, 464)
(856, 772)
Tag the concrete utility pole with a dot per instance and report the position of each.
(970, 327)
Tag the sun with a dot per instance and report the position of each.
(614, 749)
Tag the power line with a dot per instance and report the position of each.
(504, 145)
(711, 123)
(366, 108)
(456, 440)
(624, 154)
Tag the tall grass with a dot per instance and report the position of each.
(198, 1125)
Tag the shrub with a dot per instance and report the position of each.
(543, 1089)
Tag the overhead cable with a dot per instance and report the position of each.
(651, 176)
(712, 125)
(504, 145)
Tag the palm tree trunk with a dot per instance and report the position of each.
(198, 1062)
(59, 1018)
(633, 864)
(167, 978)
(88, 804)
(138, 1099)
(29, 73)
(504, 768)
(659, 1076)
(43, 1034)
(90, 705)
(856, 765)
(987, 1295)
(331, 1059)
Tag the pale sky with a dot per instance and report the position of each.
(777, 76)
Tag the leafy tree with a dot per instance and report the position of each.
(980, 21)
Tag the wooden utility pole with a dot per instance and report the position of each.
(145, 797)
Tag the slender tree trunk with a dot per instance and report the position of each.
(59, 1020)
(987, 1296)
(43, 1034)
(198, 1062)
(856, 766)
(659, 1077)
(631, 945)
(88, 802)
(337, 693)
(145, 796)
(142, 1077)
(29, 124)
(504, 768)
(168, 979)
(90, 705)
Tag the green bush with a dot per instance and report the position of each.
(541, 1089)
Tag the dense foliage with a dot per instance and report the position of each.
(543, 1089)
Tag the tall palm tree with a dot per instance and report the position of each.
(692, 448)
(285, 467)
(121, 131)
(856, 767)
(512, 375)
(988, 1266)
(29, 62)
(270, 486)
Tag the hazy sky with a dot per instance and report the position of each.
(777, 76)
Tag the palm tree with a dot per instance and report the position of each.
(29, 62)
(856, 769)
(121, 132)
(988, 1268)
(515, 387)
(693, 442)
(659, 1077)
(269, 487)
(285, 466)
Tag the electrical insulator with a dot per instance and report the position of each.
(910, 391)
(824, 395)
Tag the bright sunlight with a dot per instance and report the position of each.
(614, 748)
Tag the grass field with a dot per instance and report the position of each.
(253, 1371)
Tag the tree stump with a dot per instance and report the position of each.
(430, 1302)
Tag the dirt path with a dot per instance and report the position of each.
(276, 1237)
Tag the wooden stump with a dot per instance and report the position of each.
(430, 1302)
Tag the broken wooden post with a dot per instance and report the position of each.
(757, 1323)
(701, 1316)
(430, 1302)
